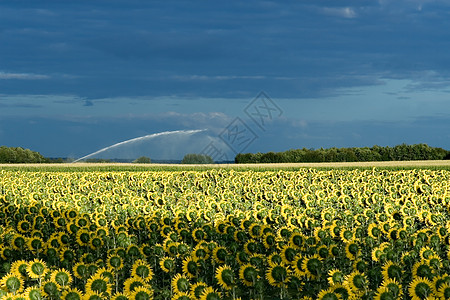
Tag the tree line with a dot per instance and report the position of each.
(375, 153)
(12, 155)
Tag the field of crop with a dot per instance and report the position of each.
(225, 234)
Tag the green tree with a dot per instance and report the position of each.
(142, 160)
(193, 158)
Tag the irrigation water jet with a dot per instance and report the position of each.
(145, 137)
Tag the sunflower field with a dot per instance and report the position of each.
(225, 234)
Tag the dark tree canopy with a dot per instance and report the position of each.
(142, 160)
(375, 153)
(11, 155)
(197, 159)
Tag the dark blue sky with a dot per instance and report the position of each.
(76, 77)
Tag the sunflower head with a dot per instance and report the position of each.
(37, 269)
(335, 276)
(61, 277)
(225, 277)
(12, 283)
(420, 288)
(277, 275)
(180, 284)
(210, 294)
(99, 284)
(72, 294)
(248, 274)
(142, 269)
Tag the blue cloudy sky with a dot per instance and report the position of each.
(77, 76)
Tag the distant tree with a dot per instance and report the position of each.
(193, 158)
(142, 160)
(20, 155)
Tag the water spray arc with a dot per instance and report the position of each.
(145, 137)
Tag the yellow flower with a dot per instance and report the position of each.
(210, 294)
(72, 294)
(132, 283)
(277, 275)
(225, 277)
(312, 266)
(248, 274)
(420, 288)
(180, 284)
(12, 283)
(61, 277)
(37, 269)
(190, 267)
(328, 294)
(142, 269)
(99, 284)
(197, 289)
(167, 264)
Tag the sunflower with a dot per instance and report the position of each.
(225, 277)
(182, 296)
(18, 241)
(93, 296)
(420, 288)
(81, 270)
(33, 292)
(357, 282)
(50, 289)
(142, 269)
(96, 242)
(67, 254)
(248, 274)
(210, 294)
(83, 237)
(132, 283)
(190, 267)
(392, 271)
(328, 294)
(374, 231)
(277, 275)
(134, 251)
(439, 281)
(115, 262)
(197, 289)
(383, 293)
(269, 240)
(288, 254)
(37, 269)
(200, 253)
(343, 290)
(99, 284)
(422, 269)
(180, 284)
(312, 266)
(61, 277)
(19, 266)
(444, 291)
(335, 277)
(167, 264)
(24, 226)
(72, 294)
(119, 296)
(12, 283)
(352, 250)
(219, 254)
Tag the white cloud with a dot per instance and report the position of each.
(23, 76)
(343, 12)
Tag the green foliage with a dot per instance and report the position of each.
(376, 153)
(13, 155)
(142, 160)
(197, 159)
